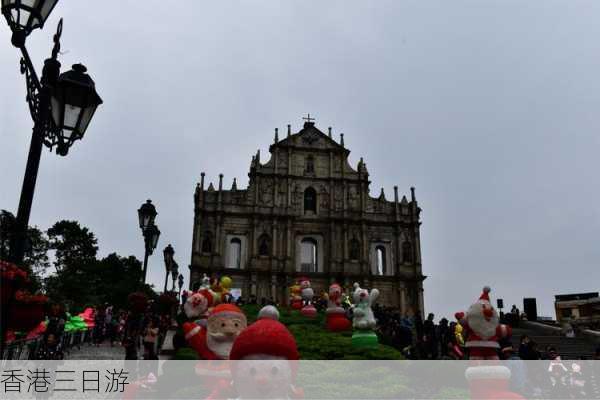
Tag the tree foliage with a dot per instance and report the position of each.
(73, 244)
(35, 261)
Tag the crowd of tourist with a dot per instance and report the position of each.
(140, 334)
(429, 340)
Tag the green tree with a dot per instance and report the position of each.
(36, 260)
(74, 245)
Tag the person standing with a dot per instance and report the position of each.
(430, 338)
(150, 335)
(99, 324)
(131, 333)
(444, 336)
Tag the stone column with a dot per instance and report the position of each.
(274, 287)
(421, 302)
(253, 288)
(402, 293)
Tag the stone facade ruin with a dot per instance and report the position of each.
(308, 212)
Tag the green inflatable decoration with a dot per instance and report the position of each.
(75, 323)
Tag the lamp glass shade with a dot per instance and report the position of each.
(175, 271)
(168, 253)
(74, 102)
(26, 15)
(155, 236)
(146, 214)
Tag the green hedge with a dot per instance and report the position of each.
(314, 341)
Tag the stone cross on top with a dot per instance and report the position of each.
(308, 120)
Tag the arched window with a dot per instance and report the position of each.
(381, 261)
(308, 255)
(263, 245)
(310, 165)
(207, 243)
(310, 200)
(407, 254)
(235, 253)
(354, 249)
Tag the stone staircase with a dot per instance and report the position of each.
(567, 348)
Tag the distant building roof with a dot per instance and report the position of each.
(575, 296)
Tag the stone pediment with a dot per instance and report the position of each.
(311, 137)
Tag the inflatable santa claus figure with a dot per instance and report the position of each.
(482, 328)
(336, 315)
(308, 309)
(266, 365)
(296, 296)
(196, 306)
(213, 342)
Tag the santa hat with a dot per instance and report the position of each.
(226, 310)
(485, 294)
(208, 295)
(265, 336)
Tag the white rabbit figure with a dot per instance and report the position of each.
(363, 314)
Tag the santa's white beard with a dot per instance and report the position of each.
(477, 322)
(262, 376)
(221, 346)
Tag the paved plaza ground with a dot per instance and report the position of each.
(105, 351)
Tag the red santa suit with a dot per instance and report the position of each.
(482, 328)
(336, 320)
(195, 335)
(201, 338)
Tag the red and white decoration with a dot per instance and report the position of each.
(196, 306)
(482, 328)
(308, 308)
(214, 341)
(489, 381)
(363, 317)
(336, 314)
(267, 366)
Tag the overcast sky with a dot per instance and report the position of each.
(488, 108)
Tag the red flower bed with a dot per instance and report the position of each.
(11, 278)
(24, 296)
(25, 316)
(11, 272)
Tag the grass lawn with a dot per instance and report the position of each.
(314, 341)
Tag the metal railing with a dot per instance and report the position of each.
(28, 349)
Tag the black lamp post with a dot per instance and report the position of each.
(71, 95)
(174, 274)
(61, 105)
(180, 284)
(168, 254)
(146, 215)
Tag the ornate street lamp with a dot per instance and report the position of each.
(74, 103)
(68, 91)
(168, 253)
(153, 234)
(180, 284)
(23, 16)
(174, 274)
(146, 215)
